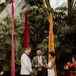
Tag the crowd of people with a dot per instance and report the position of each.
(39, 65)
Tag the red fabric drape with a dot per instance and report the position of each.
(26, 32)
(12, 51)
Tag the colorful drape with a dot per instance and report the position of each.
(26, 32)
(12, 51)
(51, 35)
(51, 39)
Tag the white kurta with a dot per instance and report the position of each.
(51, 72)
(26, 67)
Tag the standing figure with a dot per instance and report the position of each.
(50, 65)
(72, 67)
(26, 67)
(38, 63)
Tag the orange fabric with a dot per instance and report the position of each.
(51, 39)
(51, 35)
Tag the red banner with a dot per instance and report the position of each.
(12, 51)
(26, 32)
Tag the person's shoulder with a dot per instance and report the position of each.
(23, 55)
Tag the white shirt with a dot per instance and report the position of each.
(39, 59)
(51, 71)
(26, 67)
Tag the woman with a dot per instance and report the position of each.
(51, 63)
(73, 64)
(72, 67)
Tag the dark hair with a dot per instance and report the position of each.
(52, 54)
(75, 57)
(38, 49)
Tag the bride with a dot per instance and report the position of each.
(51, 63)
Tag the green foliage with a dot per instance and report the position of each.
(5, 40)
(61, 30)
(38, 25)
(3, 5)
(34, 2)
(39, 30)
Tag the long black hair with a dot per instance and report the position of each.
(52, 54)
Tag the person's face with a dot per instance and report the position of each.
(73, 60)
(39, 52)
(28, 51)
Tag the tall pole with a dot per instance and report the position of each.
(12, 51)
(51, 39)
(51, 34)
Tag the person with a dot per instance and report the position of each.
(51, 63)
(66, 68)
(26, 66)
(73, 64)
(38, 63)
(70, 67)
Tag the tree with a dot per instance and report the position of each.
(39, 28)
(5, 41)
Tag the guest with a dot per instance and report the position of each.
(70, 67)
(70, 64)
(26, 67)
(73, 64)
(38, 63)
(66, 67)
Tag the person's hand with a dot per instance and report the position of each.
(43, 65)
(36, 66)
(48, 67)
(66, 67)
(39, 65)
(31, 72)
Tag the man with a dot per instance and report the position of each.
(38, 63)
(26, 67)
